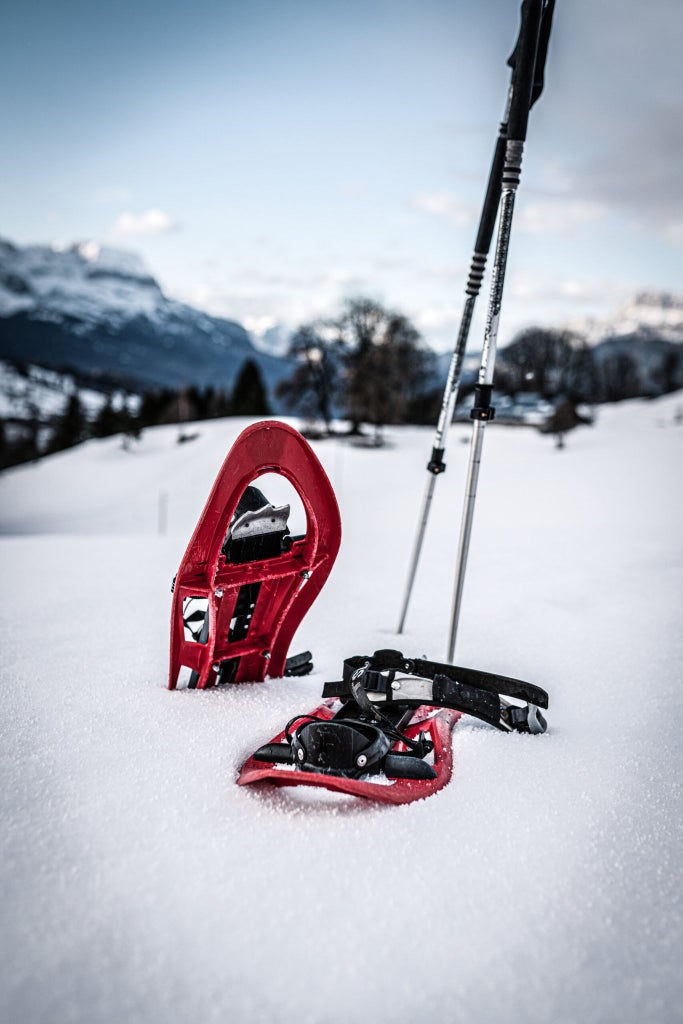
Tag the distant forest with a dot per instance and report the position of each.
(34, 438)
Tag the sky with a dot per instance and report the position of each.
(268, 160)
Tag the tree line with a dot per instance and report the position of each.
(368, 365)
(26, 440)
(561, 363)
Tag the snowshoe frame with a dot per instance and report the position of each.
(266, 597)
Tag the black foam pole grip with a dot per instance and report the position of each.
(487, 221)
(524, 69)
(542, 54)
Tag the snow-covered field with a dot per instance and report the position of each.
(139, 883)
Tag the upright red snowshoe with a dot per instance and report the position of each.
(245, 583)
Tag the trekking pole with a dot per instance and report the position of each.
(528, 49)
(482, 245)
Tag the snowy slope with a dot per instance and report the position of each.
(543, 884)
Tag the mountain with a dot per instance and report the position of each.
(273, 340)
(648, 315)
(99, 312)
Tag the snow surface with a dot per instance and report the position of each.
(140, 884)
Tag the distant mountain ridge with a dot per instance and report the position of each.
(648, 314)
(99, 311)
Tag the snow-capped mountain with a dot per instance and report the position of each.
(99, 311)
(647, 315)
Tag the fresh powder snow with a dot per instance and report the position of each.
(141, 884)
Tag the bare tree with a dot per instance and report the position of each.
(388, 369)
(312, 386)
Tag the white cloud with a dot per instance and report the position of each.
(558, 216)
(261, 299)
(447, 205)
(258, 325)
(150, 222)
(549, 289)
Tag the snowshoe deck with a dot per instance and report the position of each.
(244, 583)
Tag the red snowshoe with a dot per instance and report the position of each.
(245, 583)
(384, 731)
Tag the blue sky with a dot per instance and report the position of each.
(267, 159)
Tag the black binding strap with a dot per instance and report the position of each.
(384, 660)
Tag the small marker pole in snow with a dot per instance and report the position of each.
(482, 245)
(529, 46)
(162, 513)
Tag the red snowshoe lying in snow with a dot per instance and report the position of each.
(384, 731)
(245, 583)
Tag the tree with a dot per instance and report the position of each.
(388, 370)
(108, 420)
(249, 393)
(536, 360)
(369, 364)
(312, 386)
(5, 447)
(71, 427)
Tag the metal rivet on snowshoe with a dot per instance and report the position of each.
(219, 592)
(300, 754)
(361, 760)
(395, 685)
(305, 574)
(266, 655)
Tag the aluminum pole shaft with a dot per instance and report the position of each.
(445, 418)
(513, 164)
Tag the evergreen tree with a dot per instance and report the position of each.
(152, 406)
(71, 427)
(5, 449)
(108, 420)
(249, 394)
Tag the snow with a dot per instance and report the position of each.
(139, 883)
